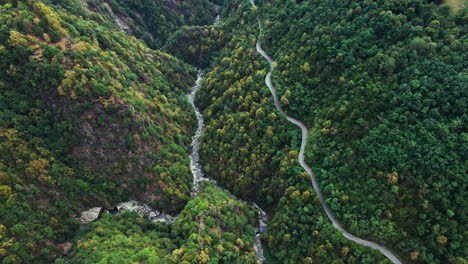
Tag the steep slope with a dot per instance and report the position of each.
(154, 21)
(381, 87)
(88, 116)
(197, 45)
(212, 228)
(248, 143)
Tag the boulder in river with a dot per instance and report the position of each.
(90, 215)
(140, 208)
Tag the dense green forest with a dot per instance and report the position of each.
(88, 116)
(254, 152)
(93, 112)
(212, 228)
(196, 45)
(154, 21)
(382, 87)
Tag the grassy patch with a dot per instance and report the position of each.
(455, 4)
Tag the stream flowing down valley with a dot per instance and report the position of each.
(306, 167)
(195, 166)
(198, 175)
(144, 210)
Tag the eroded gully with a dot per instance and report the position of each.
(304, 165)
(198, 175)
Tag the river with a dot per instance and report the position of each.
(195, 166)
(392, 257)
(198, 175)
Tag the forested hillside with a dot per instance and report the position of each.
(248, 147)
(154, 21)
(88, 116)
(212, 228)
(382, 87)
(93, 112)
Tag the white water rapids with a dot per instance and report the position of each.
(306, 167)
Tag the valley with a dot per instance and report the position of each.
(167, 132)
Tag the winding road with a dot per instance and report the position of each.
(306, 167)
